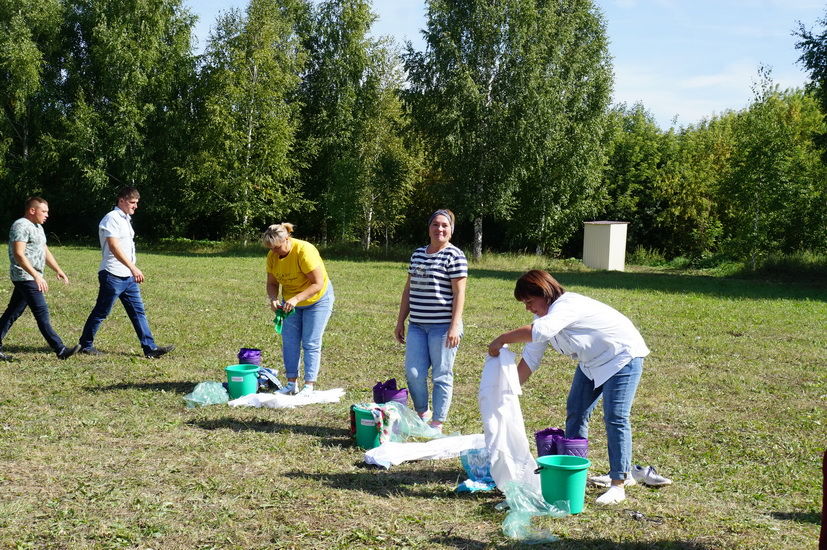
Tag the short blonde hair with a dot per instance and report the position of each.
(276, 234)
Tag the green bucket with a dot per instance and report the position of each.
(366, 431)
(563, 477)
(242, 380)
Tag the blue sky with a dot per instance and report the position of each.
(688, 59)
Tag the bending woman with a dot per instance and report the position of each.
(434, 297)
(609, 350)
(295, 267)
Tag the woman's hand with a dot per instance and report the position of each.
(275, 305)
(289, 305)
(495, 346)
(452, 339)
(399, 332)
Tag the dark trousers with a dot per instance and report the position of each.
(26, 294)
(113, 288)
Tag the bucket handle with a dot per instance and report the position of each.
(537, 471)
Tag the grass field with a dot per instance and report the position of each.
(99, 452)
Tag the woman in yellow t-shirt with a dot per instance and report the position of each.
(295, 268)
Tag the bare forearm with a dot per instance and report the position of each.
(120, 256)
(404, 306)
(51, 262)
(518, 335)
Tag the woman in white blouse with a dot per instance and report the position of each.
(609, 351)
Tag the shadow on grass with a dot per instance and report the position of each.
(328, 436)
(673, 283)
(172, 387)
(384, 483)
(571, 544)
(800, 517)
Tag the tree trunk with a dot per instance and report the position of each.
(478, 237)
(366, 238)
(245, 218)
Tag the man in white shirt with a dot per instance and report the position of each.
(119, 277)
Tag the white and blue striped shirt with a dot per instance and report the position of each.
(431, 297)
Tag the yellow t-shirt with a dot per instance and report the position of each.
(290, 271)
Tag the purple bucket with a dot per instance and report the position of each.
(547, 441)
(400, 396)
(387, 391)
(574, 446)
(249, 356)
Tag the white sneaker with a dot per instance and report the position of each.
(606, 481)
(426, 416)
(614, 495)
(649, 476)
(289, 389)
(307, 391)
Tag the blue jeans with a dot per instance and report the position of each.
(425, 349)
(111, 287)
(26, 294)
(618, 394)
(303, 330)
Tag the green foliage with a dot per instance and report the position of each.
(813, 45)
(775, 194)
(511, 97)
(29, 54)
(564, 128)
(388, 162)
(294, 112)
(242, 169)
(335, 94)
(121, 74)
(741, 184)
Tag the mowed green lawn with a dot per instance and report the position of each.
(99, 452)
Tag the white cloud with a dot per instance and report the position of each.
(732, 77)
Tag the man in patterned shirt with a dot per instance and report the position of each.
(28, 255)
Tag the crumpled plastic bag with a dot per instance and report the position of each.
(207, 393)
(477, 466)
(396, 422)
(523, 503)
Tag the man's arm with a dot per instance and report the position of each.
(115, 247)
(51, 262)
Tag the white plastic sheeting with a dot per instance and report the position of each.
(503, 424)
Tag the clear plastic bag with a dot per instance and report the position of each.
(523, 504)
(207, 393)
(398, 423)
(407, 423)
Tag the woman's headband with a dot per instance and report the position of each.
(443, 213)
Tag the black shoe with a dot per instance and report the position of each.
(91, 351)
(66, 353)
(5, 357)
(158, 352)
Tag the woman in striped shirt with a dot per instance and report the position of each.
(434, 298)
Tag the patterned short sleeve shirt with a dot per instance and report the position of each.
(431, 297)
(33, 235)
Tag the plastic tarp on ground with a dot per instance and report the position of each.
(394, 453)
(282, 401)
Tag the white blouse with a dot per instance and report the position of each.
(599, 337)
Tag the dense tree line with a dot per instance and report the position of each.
(295, 112)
